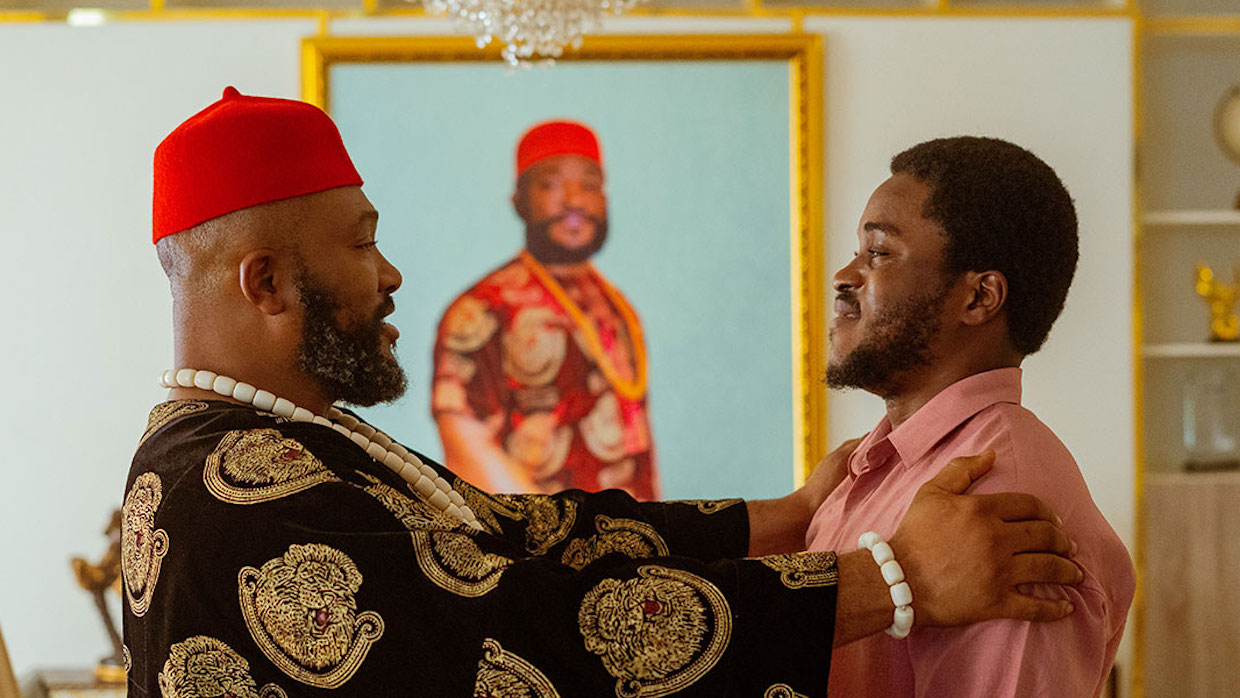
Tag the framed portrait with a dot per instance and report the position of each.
(711, 151)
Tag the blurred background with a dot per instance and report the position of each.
(1131, 101)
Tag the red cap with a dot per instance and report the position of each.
(243, 151)
(552, 138)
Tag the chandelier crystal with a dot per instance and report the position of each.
(529, 29)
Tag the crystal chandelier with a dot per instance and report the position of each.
(529, 29)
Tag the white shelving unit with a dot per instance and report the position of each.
(1189, 54)
(1191, 350)
(1192, 218)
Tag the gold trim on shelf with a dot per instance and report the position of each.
(1222, 25)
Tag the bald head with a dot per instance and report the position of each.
(201, 262)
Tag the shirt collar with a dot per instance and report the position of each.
(937, 418)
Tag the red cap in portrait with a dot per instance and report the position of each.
(243, 151)
(552, 138)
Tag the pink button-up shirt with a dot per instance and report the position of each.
(1066, 658)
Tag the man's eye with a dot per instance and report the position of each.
(876, 253)
(368, 245)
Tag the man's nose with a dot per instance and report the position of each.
(846, 277)
(389, 276)
(574, 196)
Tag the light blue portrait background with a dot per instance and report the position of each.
(698, 176)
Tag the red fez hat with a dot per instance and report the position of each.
(243, 151)
(552, 138)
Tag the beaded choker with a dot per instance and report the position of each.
(424, 479)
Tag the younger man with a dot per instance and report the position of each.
(965, 258)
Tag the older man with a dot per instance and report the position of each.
(540, 367)
(276, 545)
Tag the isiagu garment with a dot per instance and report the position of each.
(266, 557)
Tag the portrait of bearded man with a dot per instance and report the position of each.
(540, 367)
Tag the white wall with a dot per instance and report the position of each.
(87, 326)
(87, 331)
(1061, 88)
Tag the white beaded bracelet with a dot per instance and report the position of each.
(893, 574)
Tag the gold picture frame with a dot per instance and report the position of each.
(801, 58)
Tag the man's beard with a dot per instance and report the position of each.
(539, 243)
(349, 365)
(898, 341)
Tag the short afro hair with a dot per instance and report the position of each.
(1002, 209)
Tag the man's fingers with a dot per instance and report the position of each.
(1036, 537)
(1023, 607)
(1044, 568)
(1016, 506)
(847, 447)
(958, 475)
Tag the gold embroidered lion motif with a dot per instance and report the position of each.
(658, 632)
(301, 610)
(204, 667)
(633, 538)
(782, 690)
(143, 546)
(413, 514)
(548, 520)
(487, 507)
(455, 563)
(502, 674)
(165, 412)
(804, 570)
(253, 466)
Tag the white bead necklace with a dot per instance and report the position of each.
(425, 480)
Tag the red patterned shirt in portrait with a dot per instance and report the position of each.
(555, 367)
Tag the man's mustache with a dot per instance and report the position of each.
(850, 299)
(386, 308)
(598, 221)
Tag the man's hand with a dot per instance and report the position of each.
(778, 525)
(827, 475)
(964, 555)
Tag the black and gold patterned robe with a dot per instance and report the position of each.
(264, 557)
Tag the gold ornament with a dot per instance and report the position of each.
(1224, 323)
(97, 578)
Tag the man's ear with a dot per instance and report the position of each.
(519, 200)
(264, 281)
(988, 294)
